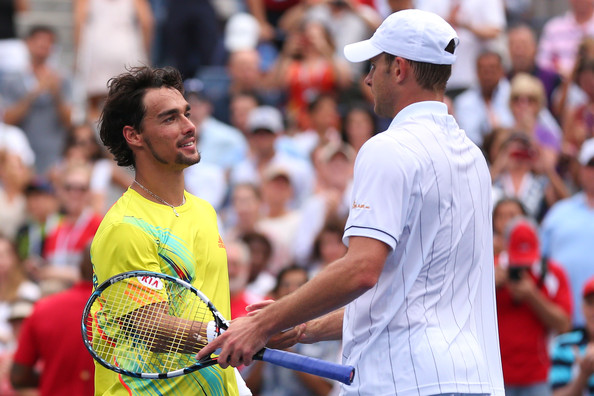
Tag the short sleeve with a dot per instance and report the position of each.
(123, 247)
(382, 188)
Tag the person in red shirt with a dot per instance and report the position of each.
(50, 338)
(533, 301)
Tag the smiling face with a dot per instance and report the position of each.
(167, 136)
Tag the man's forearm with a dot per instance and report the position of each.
(326, 328)
(337, 285)
(552, 315)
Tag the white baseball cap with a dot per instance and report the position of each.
(413, 34)
(586, 152)
(265, 117)
(242, 31)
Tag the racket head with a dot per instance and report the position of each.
(149, 325)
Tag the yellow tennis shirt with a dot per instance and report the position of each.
(138, 234)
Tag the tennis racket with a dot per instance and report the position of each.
(151, 325)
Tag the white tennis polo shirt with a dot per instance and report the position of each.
(429, 325)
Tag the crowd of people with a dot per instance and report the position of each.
(280, 116)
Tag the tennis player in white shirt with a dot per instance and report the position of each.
(417, 279)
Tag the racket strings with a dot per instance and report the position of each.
(141, 331)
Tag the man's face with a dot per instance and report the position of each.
(262, 142)
(73, 191)
(489, 71)
(522, 49)
(40, 45)
(168, 135)
(244, 68)
(382, 81)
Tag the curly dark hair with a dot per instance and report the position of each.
(124, 106)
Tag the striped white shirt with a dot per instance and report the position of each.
(429, 325)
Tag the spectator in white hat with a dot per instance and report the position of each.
(264, 125)
(418, 276)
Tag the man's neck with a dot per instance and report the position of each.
(169, 186)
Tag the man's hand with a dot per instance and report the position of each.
(239, 343)
(523, 288)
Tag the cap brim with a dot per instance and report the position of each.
(361, 51)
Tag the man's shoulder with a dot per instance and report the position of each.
(558, 210)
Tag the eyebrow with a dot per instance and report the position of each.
(172, 111)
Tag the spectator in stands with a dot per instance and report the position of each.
(19, 311)
(504, 211)
(331, 196)
(245, 73)
(324, 123)
(485, 107)
(240, 106)
(245, 211)
(522, 45)
(42, 209)
(38, 98)
(265, 124)
(279, 222)
(307, 67)
(13, 286)
(328, 246)
(54, 344)
(108, 181)
(14, 140)
(358, 125)
(527, 100)
(524, 173)
(14, 177)
(533, 294)
(260, 281)
(479, 24)
(347, 21)
(572, 373)
(65, 245)
(561, 35)
(238, 261)
(579, 121)
(108, 37)
(567, 231)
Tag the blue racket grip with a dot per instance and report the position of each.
(306, 364)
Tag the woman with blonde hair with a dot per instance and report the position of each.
(527, 99)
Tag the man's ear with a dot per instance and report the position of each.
(401, 69)
(132, 136)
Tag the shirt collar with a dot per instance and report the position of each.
(419, 109)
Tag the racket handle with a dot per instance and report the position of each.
(306, 364)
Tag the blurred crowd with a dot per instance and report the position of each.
(281, 116)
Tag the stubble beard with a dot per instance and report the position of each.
(180, 159)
